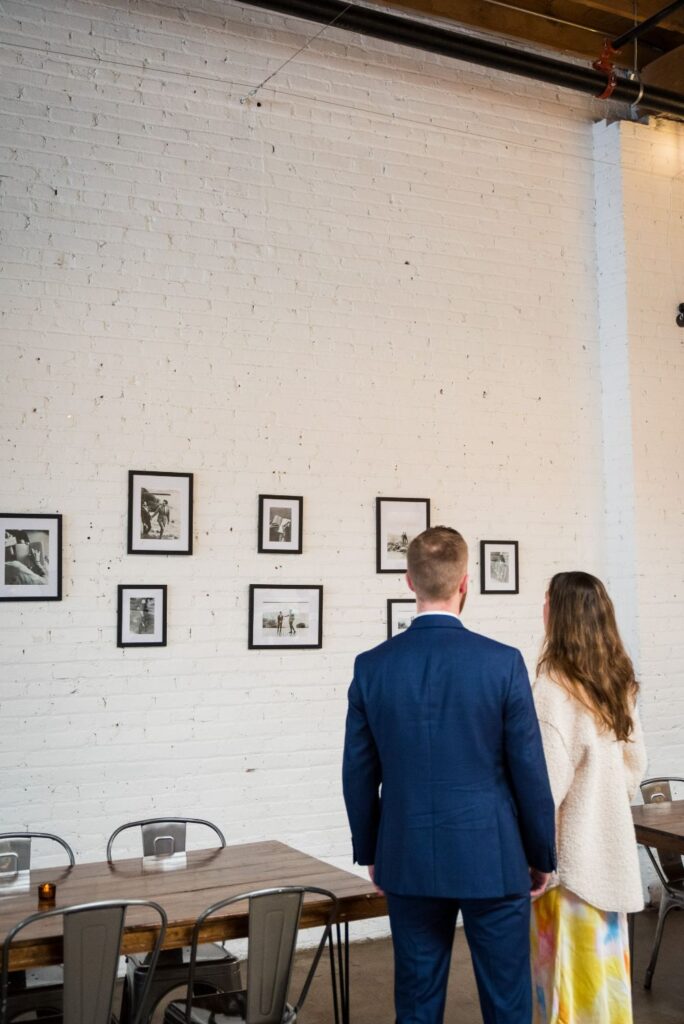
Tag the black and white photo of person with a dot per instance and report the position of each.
(280, 525)
(398, 521)
(142, 615)
(279, 620)
(159, 515)
(499, 566)
(26, 557)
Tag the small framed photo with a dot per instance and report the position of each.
(281, 616)
(398, 521)
(141, 616)
(400, 614)
(33, 557)
(499, 573)
(159, 513)
(280, 524)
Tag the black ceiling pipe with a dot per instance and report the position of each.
(435, 39)
(638, 30)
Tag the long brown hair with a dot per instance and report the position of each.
(583, 650)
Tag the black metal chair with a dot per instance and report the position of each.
(274, 916)
(669, 868)
(162, 839)
(16, 850)
(91, 951)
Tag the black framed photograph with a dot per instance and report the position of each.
(280, 524)
(33, 557)
(283, 616)
(499, 570)
(159, 513)
(400, 614)
(397, 522)
(141, 616)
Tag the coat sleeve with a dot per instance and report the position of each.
(361, 778)
(526, 767)
(559, 764)
(634, 756)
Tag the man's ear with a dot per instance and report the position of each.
(409, 582)
(463, 585)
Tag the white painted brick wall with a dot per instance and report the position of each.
(380, 281)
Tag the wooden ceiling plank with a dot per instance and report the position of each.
(528, 27)
(645, 8)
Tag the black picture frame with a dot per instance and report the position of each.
(393, 605)
(392, 538)
(272, 508)
(126, 631)
(506, 578)
(264, 610)
(178, 513)
(32, 546)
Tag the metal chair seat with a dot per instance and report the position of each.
(221, 1009)
(668, 866)
(217, 967)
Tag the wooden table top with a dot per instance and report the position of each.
(660, 825)
(210, 876)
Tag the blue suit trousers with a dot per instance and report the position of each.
(498, 933)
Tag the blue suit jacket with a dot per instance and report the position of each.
(444, 775)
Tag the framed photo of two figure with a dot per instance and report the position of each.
(159, 513)
(282, 616)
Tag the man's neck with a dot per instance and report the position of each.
(453, 606)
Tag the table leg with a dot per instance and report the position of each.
(333, 978)
(343, 968)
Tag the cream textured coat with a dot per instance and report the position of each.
(593, 779)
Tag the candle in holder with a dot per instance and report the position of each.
(46, 893)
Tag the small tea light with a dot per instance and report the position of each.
(46, 893)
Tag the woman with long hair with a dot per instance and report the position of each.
(585, 695)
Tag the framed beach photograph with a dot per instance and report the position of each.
(397, 522)
(159, 513)
(400, 614)
(280, 524)
(33, 557)
(499, 572)
(282, 616)
(141, 616)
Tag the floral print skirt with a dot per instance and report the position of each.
(580, 962)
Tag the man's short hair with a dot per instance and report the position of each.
(436, 561)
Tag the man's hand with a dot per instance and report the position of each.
(538, 881)
(371, 874)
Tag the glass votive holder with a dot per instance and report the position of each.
(47, 892)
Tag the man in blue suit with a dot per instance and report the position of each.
(447, 794)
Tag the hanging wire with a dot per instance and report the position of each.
(255, 90)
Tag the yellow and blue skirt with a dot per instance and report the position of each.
(580, 962)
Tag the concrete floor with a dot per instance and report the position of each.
(372, 980)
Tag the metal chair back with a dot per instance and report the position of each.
(274, 916)
(162, 837)
(91, 950)
(669, 866)
(15, 850)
